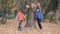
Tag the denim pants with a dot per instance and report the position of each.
(39, 23)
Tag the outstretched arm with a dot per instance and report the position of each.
(16, 17)
(24, 17)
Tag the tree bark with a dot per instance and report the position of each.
(4, 18)
(57, 12)
(31, 21)
(3, 13)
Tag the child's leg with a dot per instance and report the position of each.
(20, 22)
(39, 23)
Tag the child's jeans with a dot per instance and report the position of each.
(20, 22)
(39, 23)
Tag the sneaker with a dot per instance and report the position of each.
(19, 29)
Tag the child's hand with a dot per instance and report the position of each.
(24, 18)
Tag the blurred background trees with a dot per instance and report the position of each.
(50, 8)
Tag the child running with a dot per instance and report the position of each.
(20, 18)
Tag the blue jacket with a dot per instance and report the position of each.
(39, 15)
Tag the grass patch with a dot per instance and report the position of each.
(49, 15)
(11, 16)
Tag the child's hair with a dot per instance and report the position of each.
(20, 10)
(37, 7)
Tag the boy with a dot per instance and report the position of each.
(39, 17)
(20, 18)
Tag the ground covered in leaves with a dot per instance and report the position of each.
(11, 28)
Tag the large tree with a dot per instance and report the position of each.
(31, 12)
(50, 5)
(57, 14)
(7, 5)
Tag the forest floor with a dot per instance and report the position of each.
(11, 28)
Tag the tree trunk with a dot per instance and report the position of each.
(4, 12)
(4, 17)
(30, 21)
(57, 12)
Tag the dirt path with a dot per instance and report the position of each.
(11, 28)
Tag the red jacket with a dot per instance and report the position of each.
(20, 15)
